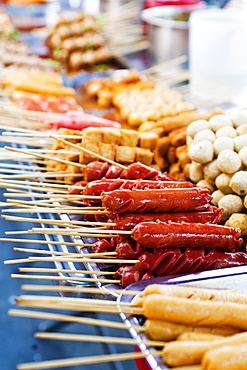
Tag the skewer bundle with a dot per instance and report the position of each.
(170, 324)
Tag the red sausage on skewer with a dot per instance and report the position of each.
(160, 200)
(105, 185)
(127, 221)
(182, 235)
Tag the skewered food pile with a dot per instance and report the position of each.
(154, 108)
(217, 149)
(173, 227)
(76, 42)
(210, 336)
(123, 146)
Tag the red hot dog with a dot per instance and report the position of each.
(183, 235)
(128, 221)
(160, 200)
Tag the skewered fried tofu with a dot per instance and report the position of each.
(129, 138)
(125, 154)
(72, 170)
(111, 136)
(107, 150)
(144, 156)
(148, 140)
(86, 157)
(92, 135)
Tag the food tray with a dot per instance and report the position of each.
(228, 278)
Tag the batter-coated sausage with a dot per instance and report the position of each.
(127, 221)
(230, 357)
(191, 292)
(195, 336)
(167, 331)
(183, 235)
(160, 200)
(192, 312)
(191, 352)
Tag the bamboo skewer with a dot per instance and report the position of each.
(85, 272)
(66, 254)
(60, 278)
(31, 174)
(77, 304)
(60, 210)
(89, 152)
(78, 289)
(166, 65)
(45, 242)
(87, 360)
(70, 318)
(45, 156)
(43, 202)
(82, 259)
(96, 339)
(44, 184)
(91, 230)
(56, 222)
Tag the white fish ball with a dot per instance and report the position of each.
(231, 204)
(238, 183)
(202, 152)
(228, 161)
(196, 126)
(226, 131)
(218, 121)
(222, 143)
(217, 195)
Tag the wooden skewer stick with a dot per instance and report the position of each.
(166, 65)
(57, 233)
(69, 271)
(34, 241)
(78, 301)
(56, 222)
(43, 202)
(31, 174)
(60, 278)
(41, 251)
(58, 210)
(69, 318)
(87, 361)
(89, 152)
(52, 288)
(43, 184)
(96, 339)
(76, 304)
(77, 258)
(82, 259)
(45, 156)
(91, 230)
(50, 196)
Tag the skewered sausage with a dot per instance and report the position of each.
(174, 261)
(128, 221)
(194, 235)
(229, 357)
(162, 200)
(183, 353)
(106, 185)
(167, 331)
(127, 248)
(205, 313)
(190, 292)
